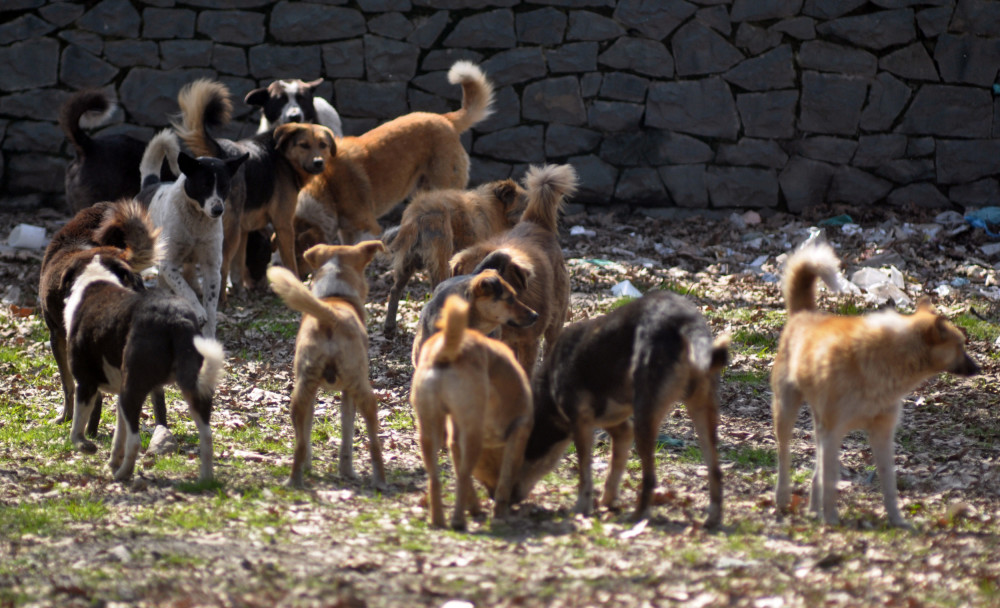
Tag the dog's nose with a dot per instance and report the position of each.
(966, 367)
(294, 115)
(318, 162)
(217, 210)
(527, 322)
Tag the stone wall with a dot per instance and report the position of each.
(701, 103)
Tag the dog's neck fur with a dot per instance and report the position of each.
(329, 284)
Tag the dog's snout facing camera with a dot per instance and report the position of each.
(318, 164)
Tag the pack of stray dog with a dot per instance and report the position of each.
(500, 379)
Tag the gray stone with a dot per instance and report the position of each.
(623, 149)
(371, 99)
(586, 25)
(934, 21)
(800, 28)
(910, 62)
(19, 5)
(752, 153)
(574, 57)
(742, 187)
(875, 150)
(647, 57)
(576, 3)
(907, 170)
(519, 144)
(876, 30)
(886, 99)
(687, 185)
(29, 65)
(61, 14)
(969, 112)
(996, 117)
(437, 83)
(79, 69)
(565, 140)
(653, 18)
(425, 102)
(357, 126)
(831, 103)
(468, 4)
(772, 70)
(33, 103)
(830, 9)
(506, 111)
(717, 18)
(387, 59)
(755, 40)
(272, 61)
(89, 41)
(980, 193)
(426, 30)
(554, 100)
(824, 148)
(763, 10)
(545, 26)
(805, 182)
(919, 146)
(299, 22)
(640, 186)
(391, 25)
(32, 172)
(162, 442)
(131, 53)
(700, 107)
(490, 29)
(828, 57)
(615, 115)
(979, 17)
(590, 84)
(168, 23)
(668, 148)
(960, 161)
(185, 53)
(216, 3)
(384, 6)
(699, 50)
(770, 114)
(924, 195)
(32, 136)
(856, 187)
(515, 66)
(149, 96)
(23, 28)
(112, 18)
(624, 87)
(968, 59)
(443, 59)
(597, 179)
(342, 59)
(483, 171)
(229, 60)
(233, 27)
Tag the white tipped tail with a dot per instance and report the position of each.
(477, 95)
(211, 367)
(548, 187)
(814, 260)
(164, 145)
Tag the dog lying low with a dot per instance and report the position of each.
(331, 350)
(623, 372)
(293, 100)
(132, 342)
(853, 372)
(470, 387)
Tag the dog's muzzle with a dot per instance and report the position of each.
(293, 115)
(966, 367)
(317, 165)
(527, 323)
(217, 210)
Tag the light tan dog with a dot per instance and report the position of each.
(853, 372)
(529, 257)
(331, 350)
(438, 223)
(372, 173)
(471, 387)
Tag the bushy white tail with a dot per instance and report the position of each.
(212, 366)
(813, 260)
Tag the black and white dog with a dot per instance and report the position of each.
(189, 213)
(131, 342)
(285, 101)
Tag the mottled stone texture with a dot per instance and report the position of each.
(780, 104)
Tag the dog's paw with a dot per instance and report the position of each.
(85, 446)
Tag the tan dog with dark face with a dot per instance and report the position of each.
(331, 350)
(469, 387)
(853, 372)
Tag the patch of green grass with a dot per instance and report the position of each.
(680, 288)
(691, 454)
(976, 328)
(620, 302)
(400, 419)
(754, 377)
(848, 308)
(755, 341)
(751, 457)
(49, 517)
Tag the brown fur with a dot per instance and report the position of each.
(436, 224)
(529, 257)
(331, 350)
(373, 172)
(853, 372)
(470, 387)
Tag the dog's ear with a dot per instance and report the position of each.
(187, 163)
(367, 250)
(283, 134)
(487, 284)
(501, 261)
(496, 260)
(506, 192)
(924, 304)
(317, 255)
(257, 97)
(233, 164)
(312, 84)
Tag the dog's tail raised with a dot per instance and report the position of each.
(163, 146)
(213, 362)
(126, 225)
(297, 297)
(454, 320)
(204, 104)
(548, 187)
(93, 107)
(813, 260)
(477, 95)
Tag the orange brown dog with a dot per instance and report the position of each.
(853, 372)
(469, 388)
(331, 350)
(438, 223)
(529, 257)
(371, 173)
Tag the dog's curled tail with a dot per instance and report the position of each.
(296, 296)
(126, 225)
(204, 104)
(164, 145)
(454, 320)
(477, 95)
(548, 187)
(812, 260)
(94, 107)
(213, 362)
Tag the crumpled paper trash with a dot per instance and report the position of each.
(626, 289)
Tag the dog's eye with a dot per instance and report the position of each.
(322, 145)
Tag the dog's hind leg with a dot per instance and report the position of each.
(583, 439)
(302, 405)
(880, 434)
(431, 430)
(466, 445)
(118, 441)
(58, 343)
(828, 456)
(513, 456)
(784, 408)
(621, 446)
(367, 405)
(129, 406)
(345, 460)
(200, 409)
(159, 406)
(95, 417)
(86, 398)
(401, 275)
(704, 412)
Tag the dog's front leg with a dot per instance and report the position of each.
(367, 404)
(86, 397)
(199, 410)
(129, 406)
(703, 410)
(211, 280)
(118, 440)
(172, 277)
(303, 406)
(621, 447)
(829, 473)
(880, 434)
(583, 439)
(513, 456)
(59, 352)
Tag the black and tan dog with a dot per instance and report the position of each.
(853, 372)
(469, 388)
(624, 372)
(331, 350)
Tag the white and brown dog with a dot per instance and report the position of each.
(293, 100)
